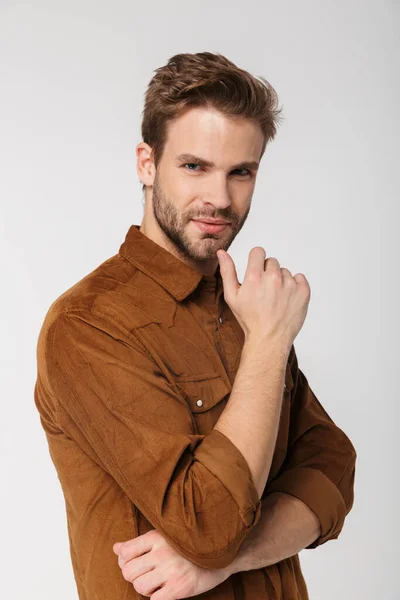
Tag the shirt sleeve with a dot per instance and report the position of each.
(196, 490)
(319, 468)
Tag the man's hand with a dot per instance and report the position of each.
(157, 570)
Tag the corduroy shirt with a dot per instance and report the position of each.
(135, 364)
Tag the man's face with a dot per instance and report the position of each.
(185, 188)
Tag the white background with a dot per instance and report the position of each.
(72, 76)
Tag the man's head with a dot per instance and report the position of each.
(206, 124)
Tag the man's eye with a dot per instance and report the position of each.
(246, 172)
(241, 172)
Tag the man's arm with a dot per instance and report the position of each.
(110, 395)
(286, 526)
(251, 416)
(319, 468)
(306, 503)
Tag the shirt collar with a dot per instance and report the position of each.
(165, 268)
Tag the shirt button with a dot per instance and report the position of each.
(220, 319)
(199, 402)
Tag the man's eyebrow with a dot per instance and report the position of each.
(191, 158)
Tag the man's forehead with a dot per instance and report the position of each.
(213, 142)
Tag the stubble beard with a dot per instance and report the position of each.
(174, 228)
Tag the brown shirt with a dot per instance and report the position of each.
(135, 365)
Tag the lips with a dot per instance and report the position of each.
(210, 226)
(211, 222)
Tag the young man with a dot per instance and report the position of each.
(194, 458)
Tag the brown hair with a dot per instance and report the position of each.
(208, 80)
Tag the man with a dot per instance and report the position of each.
(194, 458)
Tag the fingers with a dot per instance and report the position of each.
(137, 567)
(148, 583)
(116, 547)
(133, 548)
(255, 262)
(301, 279)
(228, 273)
(273, 268)
(164, 593)
(287, 275)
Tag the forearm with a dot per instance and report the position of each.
(286, 526)
(251, 416)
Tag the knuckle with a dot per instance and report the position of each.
(139, 587)
(164, 553)
(254, 275)
(275, 276)
(153, 534)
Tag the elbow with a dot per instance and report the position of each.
(216, 561)
(219, 553)
(212, 528)
(209, 503)
(219, 547)
(218, 525)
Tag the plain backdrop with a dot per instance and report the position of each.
(73, 76)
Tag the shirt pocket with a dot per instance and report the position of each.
(206, 396)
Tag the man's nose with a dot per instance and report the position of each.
(219, 194)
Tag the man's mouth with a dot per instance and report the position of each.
(211, 226)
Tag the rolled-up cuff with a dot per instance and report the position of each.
(220, 456)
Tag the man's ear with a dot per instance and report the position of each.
(145, 164)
